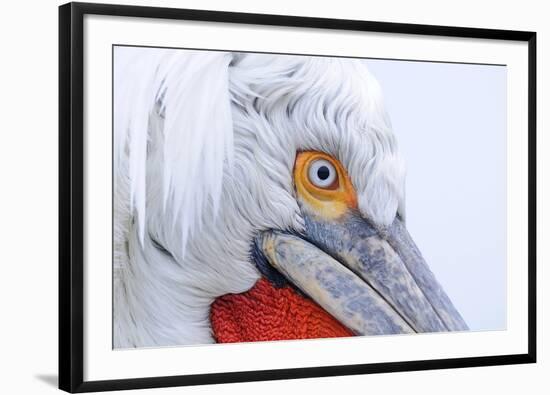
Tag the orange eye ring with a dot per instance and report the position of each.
(323, 185)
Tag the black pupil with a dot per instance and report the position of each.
(323, 172)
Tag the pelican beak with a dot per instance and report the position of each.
(373, 281)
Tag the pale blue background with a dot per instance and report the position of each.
(450, 121)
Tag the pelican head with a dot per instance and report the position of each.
(230, 167)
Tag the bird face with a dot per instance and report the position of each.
(374, 281)
(231, 167)
(335, 159)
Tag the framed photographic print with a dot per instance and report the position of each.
(258, 197)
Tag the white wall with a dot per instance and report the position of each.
(28, 209)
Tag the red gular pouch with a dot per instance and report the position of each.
(266, 313)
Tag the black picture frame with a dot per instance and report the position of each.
(71, 195)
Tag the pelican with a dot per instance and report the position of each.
(234, 171)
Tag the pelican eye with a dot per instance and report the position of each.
(322, 184)
(322, 173)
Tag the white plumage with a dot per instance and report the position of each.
(205, 144)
